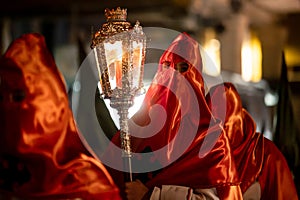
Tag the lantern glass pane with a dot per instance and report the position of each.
(113, 54)
(136, 62)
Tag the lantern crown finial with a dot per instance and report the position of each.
(116, 14)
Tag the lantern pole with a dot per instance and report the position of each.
(122, 100)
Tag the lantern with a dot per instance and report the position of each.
(119, 51)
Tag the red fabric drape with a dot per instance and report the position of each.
(41, 154)
(256, 158)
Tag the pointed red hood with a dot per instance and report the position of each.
(40, 148)
(189, 144)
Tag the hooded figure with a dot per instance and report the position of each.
(262, 169)
(190, 145)
(41, 153)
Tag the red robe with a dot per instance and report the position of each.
(256, 157)
(41, 154)
(191, 146)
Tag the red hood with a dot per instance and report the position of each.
(38, 132)
(190, 145)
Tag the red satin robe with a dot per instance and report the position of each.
(257, 158)
(191, 145)
(41, 154)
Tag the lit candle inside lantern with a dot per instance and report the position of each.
(118, 67)
(136, 62)
(137, 54)
(113, 56)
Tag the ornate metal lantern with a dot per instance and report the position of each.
(119, 51)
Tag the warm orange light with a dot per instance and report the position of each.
(212, 49)
(118, 67)
(137, 54)
(113, 54)
(136, 62)
(292, 56)
(251, 59)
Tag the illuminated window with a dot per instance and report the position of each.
(251, 58)
(212, 66)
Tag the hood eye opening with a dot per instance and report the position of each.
(182, 67)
